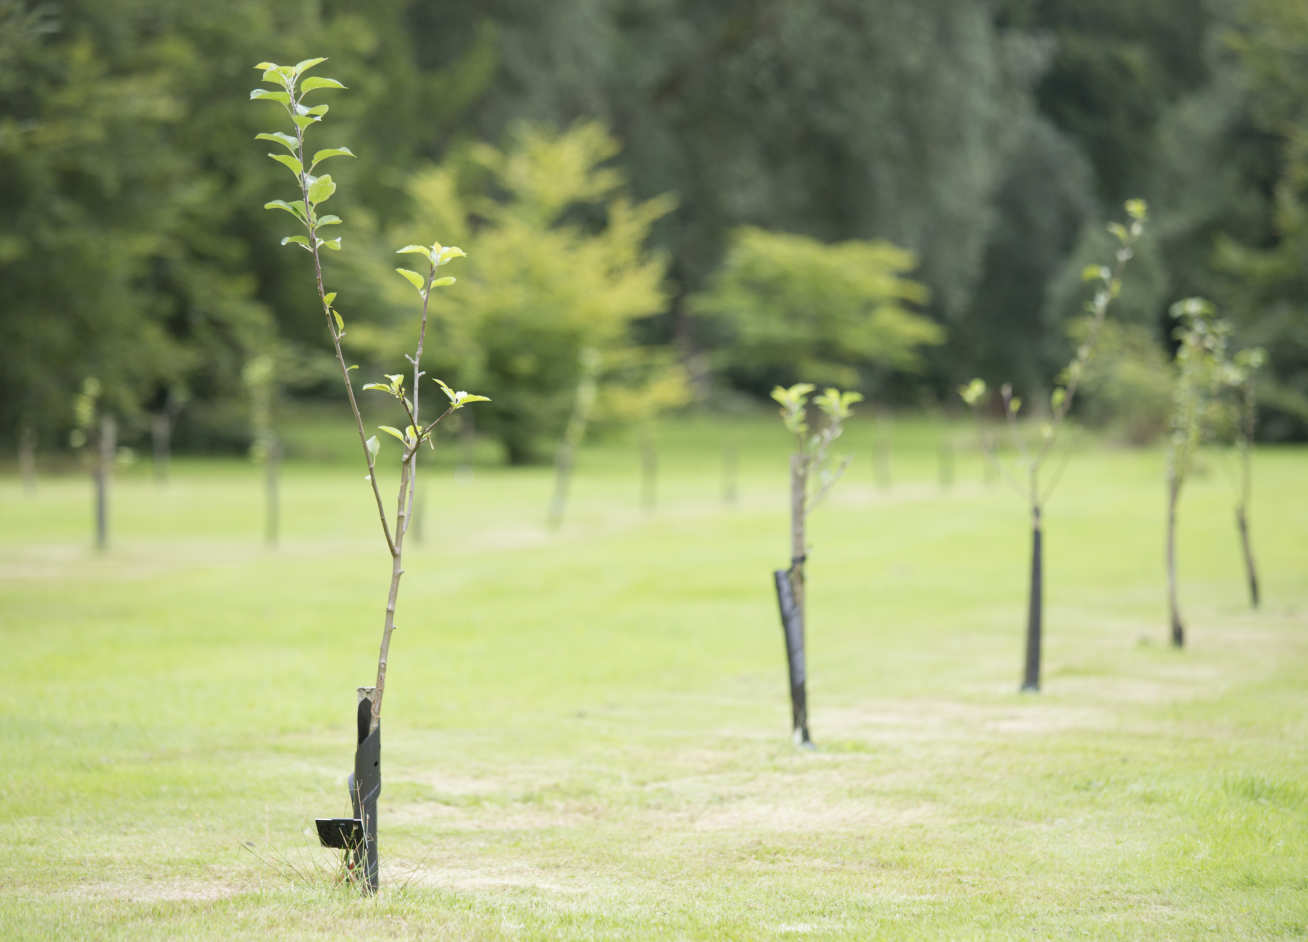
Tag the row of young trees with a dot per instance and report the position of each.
(982, 138)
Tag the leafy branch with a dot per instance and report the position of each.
(290, 88)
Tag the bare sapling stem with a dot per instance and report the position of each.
(27, 458)
(104, 466)
(1175, 624)
(798, 668)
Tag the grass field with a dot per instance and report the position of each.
(586, 733)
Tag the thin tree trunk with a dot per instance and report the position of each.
(946, 465)
(107, 445)
(27, 458)
(883, 455)
(272, 503)
(798, 672)
(649, 472)
(562, 478)
(416, 524)
(1250, 570)
(467, 442)
(1035, 608)
(730, 474)
(405, 506)
(161, 433)
(1173, 608)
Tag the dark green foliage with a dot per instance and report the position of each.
(987, 138)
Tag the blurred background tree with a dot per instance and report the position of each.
(988, 138)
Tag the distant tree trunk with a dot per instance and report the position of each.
(415, 524)
(161, 434)
(1251, 572)
(467, 441)
(27, 458)
(946, 464)
(649, 471)
(272, 502)
(730, 473)
(1173, 608)
(572, 436)
(104, 464)
(563, 461)
(798, 671)
(1035, 608)
(883, 454)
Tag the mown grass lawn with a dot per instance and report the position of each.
(586, 733)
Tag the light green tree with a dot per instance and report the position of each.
(786, 304)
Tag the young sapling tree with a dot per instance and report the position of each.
(1027, 479)
(812, 475)
(1240, 378)
(1196, 383)
(291, 86)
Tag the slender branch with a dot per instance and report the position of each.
(1074, 378)
(336, 339)
(416, 360)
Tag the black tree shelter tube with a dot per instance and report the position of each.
(792, 625)
(1250, 571)
(357, 836)
(1031, 675)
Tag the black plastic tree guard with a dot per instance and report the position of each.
(793, 627)
(357, 836)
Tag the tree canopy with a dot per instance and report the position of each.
(988, 140)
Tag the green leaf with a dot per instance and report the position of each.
(373, 446)
(304, 65)
(449, 393)
(298, 240)
(464, 398)
(1137, 210)
(340, 322)
(413, 278)
(316, 82)
(318, 110)
(380, 387)
(290, 163)
(448, 253)
(265, 66)
(302, 121)
(321, 189)
(328, 220)
(263, 93)
(397, 380)
(333, 244)
(295, 209)
(320, 156)
(328, 298)
(1057, 398)
(279, 137)
(393, 432)
(414, 250)
(443, 282)
(1095, 273)
(1119, 231)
